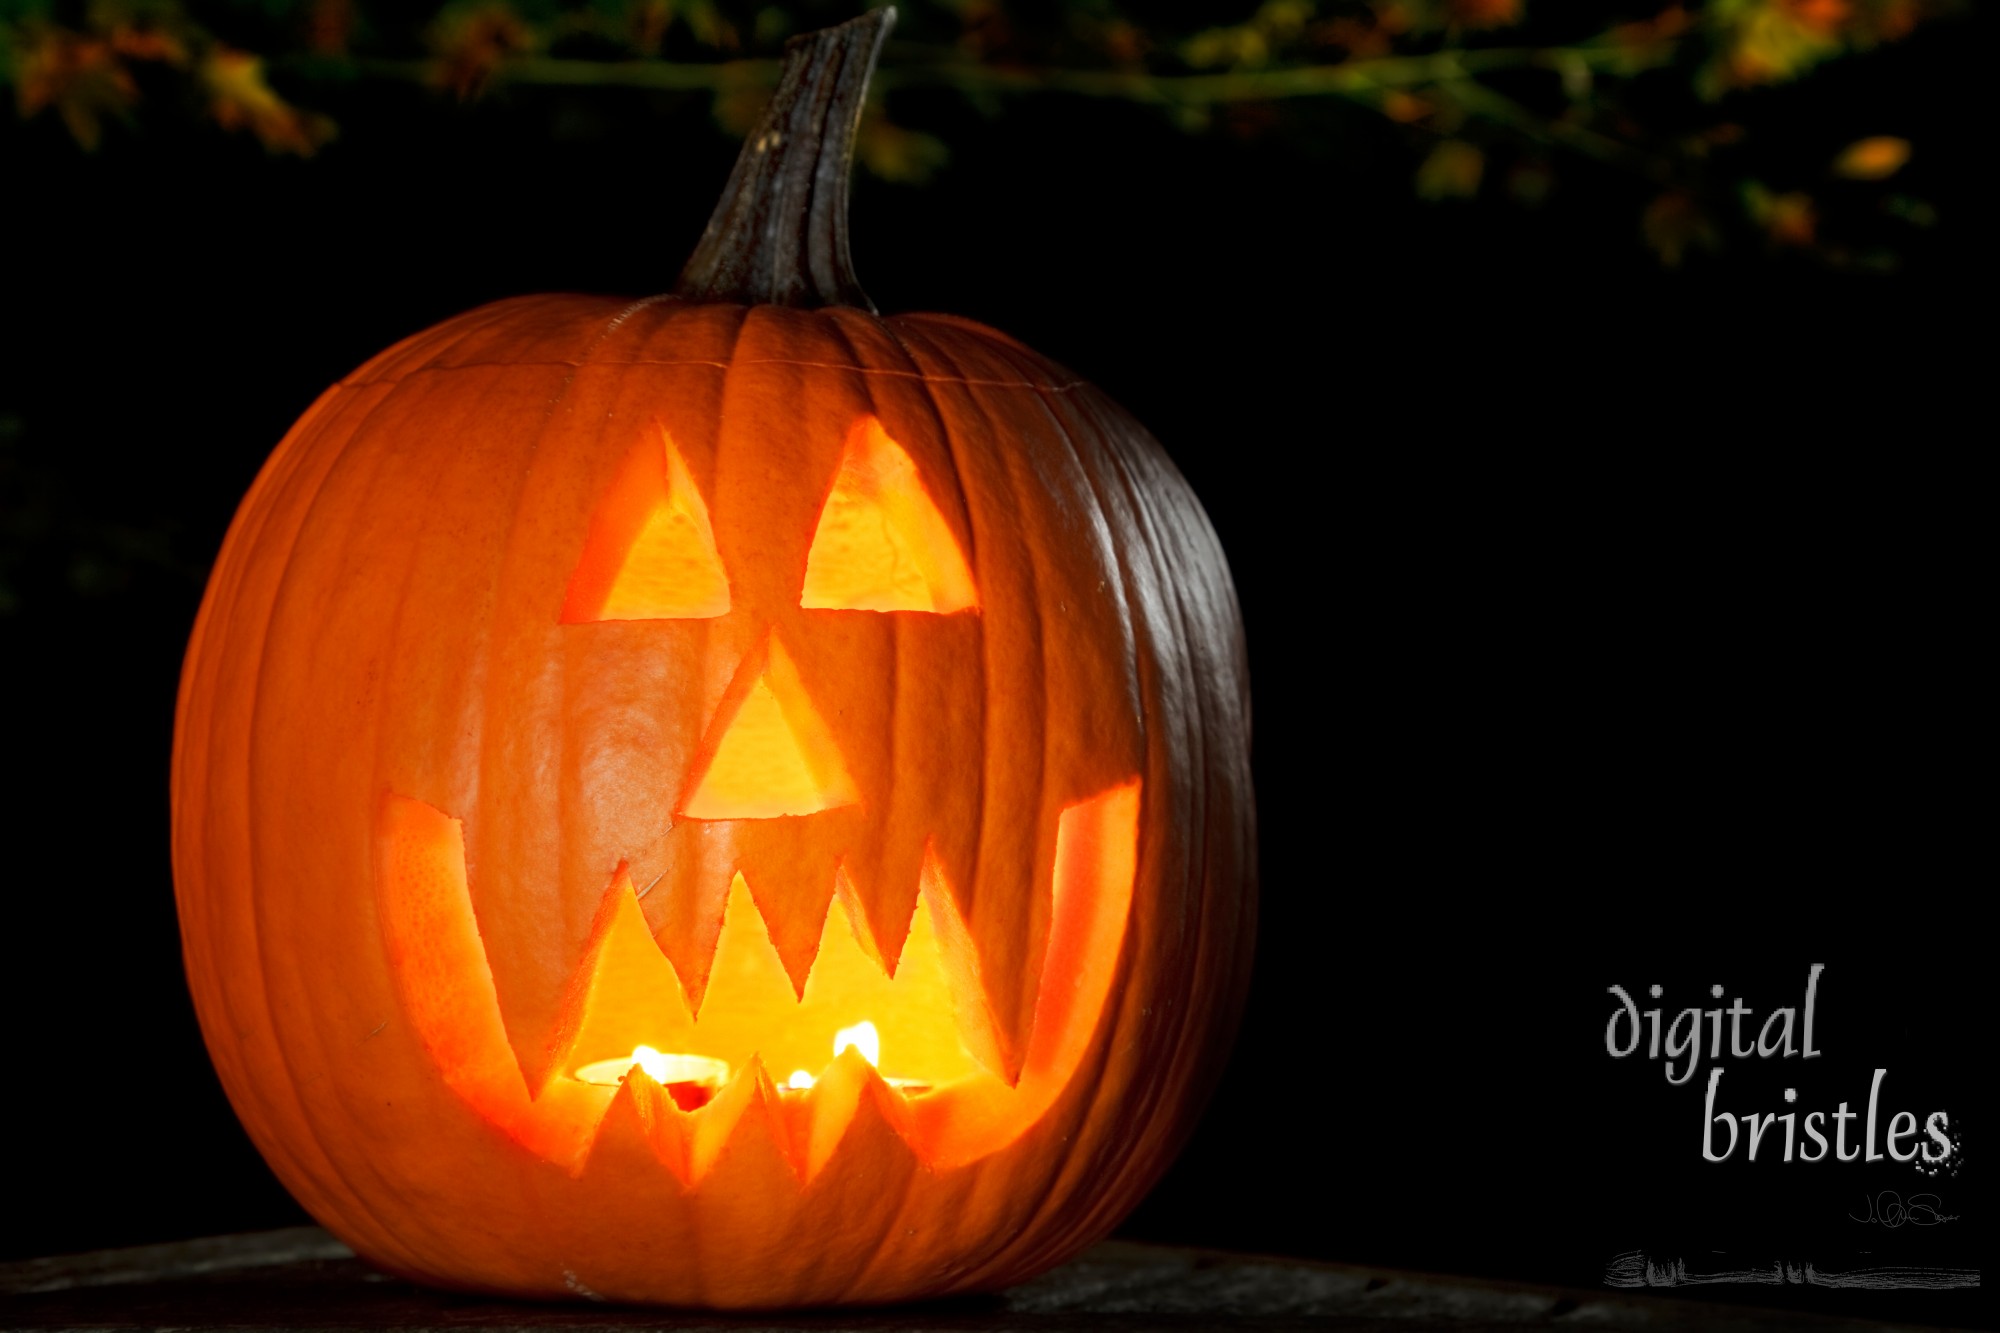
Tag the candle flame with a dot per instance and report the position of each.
(651, 1061)
(663, 1067)
(863, 1038)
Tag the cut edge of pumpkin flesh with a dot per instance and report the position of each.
(798, 1064)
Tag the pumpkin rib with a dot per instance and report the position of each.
(1136, 1167)
(1059, 1189)
(861, 1280)
(536, 1061)
(830, 321)
(1063, 1227)
(1068, 1228)
(1016, 1024)
(1179, 642)
(1103, 531)
(549, 1024)
(1142, 1147)
(965, 877)
(1190, 1026)
(396, 646)
(613, 324)
(528, 1033)
(257, 796)
(724, 465)
(962, 878)
(225, 592)
(899, 627)
(939, 419)
(1059, 1247)
(253, 513)
(1110, 526)
(331, 1181)
(427, 1249)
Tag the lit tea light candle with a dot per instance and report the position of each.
(667, 1068)
(864, 1038)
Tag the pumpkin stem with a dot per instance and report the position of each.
(778, 235)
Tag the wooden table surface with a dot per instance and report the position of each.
(304, 1279)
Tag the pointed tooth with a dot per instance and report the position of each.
(534, 936)
(668, 1128)
(793, 907)
(970, 1000)
(748, 1215)
(601, 1247)
(641, 1133)
(739, 1111)
(863, 1174)
(624, 993)
(685, 907)
(791, 871)
(881, 880)
(857, 920)
(745, 977)
(829, 1109)
(1005, 913)
(555, 1051)
(953, 855)
(845, 951)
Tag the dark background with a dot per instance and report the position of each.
(1607, 624)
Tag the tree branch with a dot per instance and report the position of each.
(941, 67)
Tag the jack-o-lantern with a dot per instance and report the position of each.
(724, 799)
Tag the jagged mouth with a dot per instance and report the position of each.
(909, 1035)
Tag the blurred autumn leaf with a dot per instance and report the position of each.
(81, 78)
(1873, 159)
(1452, 171)
(240, 99)
(1674, 224)
(1482, 90)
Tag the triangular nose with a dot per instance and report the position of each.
(771, 755)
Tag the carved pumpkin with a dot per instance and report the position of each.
(724, 799)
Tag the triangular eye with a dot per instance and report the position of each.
(650, 554)
(881, 544)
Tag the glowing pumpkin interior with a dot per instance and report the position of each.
(911, 1031)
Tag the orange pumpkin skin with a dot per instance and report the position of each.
(385, 623)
